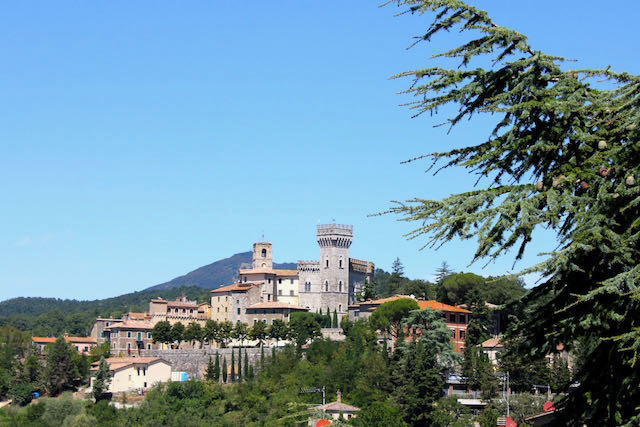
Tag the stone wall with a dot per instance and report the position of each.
(194, 362)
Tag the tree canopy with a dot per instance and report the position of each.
(563, 155)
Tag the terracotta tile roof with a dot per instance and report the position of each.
(43, 340)
(491, 343)
(277, 304)
(49, 340)
(180, 304)
(116, 363)
(137, 316)
(285, 273)
(238, 286)
(435, 305)
(87, 340)
(131, 324)
(337, 407)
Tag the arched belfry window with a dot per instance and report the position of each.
(340, 286)
(264, 253)
(327, 263)
(340, 262)
(326, 285)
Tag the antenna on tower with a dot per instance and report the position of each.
(263, 236)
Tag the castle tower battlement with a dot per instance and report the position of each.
(335, 235)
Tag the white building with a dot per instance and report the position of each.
(134, 373)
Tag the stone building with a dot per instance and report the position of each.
(98, 331)
(130, 336)
(330, 283)
(231, 302)
(268, 311)
(134, 373)
(180, 310)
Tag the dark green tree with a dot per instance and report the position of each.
(216, 368)
(334, 320)
(278, 330)
(102, 380)
(233, 365)
(210, 332)
(246, 365)
(428, 326)
(389, 316)
(177, 333)
(258, 332)
(302, 328)
(61, 370)
(478, 370)
(241, 332)
(99, 351)
(560, 375)
(225, 333)
(564, 156)
(21, 394)
(239, 364)
(443, 271)
(161, 332)
(261, 358)
(397, 276)
(224, 370)
(458, 288)
(418, 381)
(480, 326)
(210, 372)
(193, 333)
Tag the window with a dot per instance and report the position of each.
(226, 309)
(269, 281)
(279, 281)
(356, 314)
(326, 286)
(238, 310)
(77, 348)
(292, 281)
(176, 311)
(218, 309)
(268, 297)
(279, 291)
(139, 336)
(145, 384)
(307, 287)
(237, 301)
(255, 321)
(128, 334)
(102, 334)
(453, 333)
(452, 318)
(340, 286)
(340, 262)
(191, 311)
(128, 346)
(148, 335)
(148, 348)
(168, 310)
(114, 345)
(327, 263)
(291, 292)
(340, 307)
(107, 323)
(462, 333)
(264, 253)
(184, 311)
(245, 279)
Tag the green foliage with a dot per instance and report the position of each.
(246, 365)
(478, 370)
(99, 351)
(161, 332)
(521, 405)
(58, 409)
(418, 381)
(209, 373)
(80, 420)
(429, 327)
(563, 156)
(240, 364)
(560, 375)
(50, 317)
(443, 271)
(389, 316)
(448, 412)
(334, 320)
(233, 365)
(193, 333)
(241, 332)
(102, 380)
(379, 414)
(216, 369)
(278, 330)
(177, 333)
(224, 370)
(480, 325)
(303, 327)
(61, 370)
(21, 393)
(258, 332)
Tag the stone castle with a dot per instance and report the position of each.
(330, 283)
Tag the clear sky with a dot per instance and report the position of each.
(140, 140)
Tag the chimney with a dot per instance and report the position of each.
(339, 395)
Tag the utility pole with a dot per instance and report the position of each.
(508, 392)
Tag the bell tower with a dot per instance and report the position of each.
(262, 256)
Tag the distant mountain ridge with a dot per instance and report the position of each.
(216, 274)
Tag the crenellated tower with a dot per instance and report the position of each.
(334, 241)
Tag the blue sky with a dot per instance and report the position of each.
(140, 140)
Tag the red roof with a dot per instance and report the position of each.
(435, 305)
(323, 423)
(49, 340)
(288, 273)
(277, 304)
(492, 343)
(238, 286)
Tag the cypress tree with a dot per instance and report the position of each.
(233, 365)
(562, 156)
(216, 368)
(224, 370)
(246, 365)
(326, 322)
(239, 364)
(209, 373)
(261, 358)
(335, 319)
(273, 354)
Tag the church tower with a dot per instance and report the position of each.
(334, 241)
(262, 256)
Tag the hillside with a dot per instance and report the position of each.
(216, 274)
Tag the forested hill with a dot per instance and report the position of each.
(216, 274)
(135, 301)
